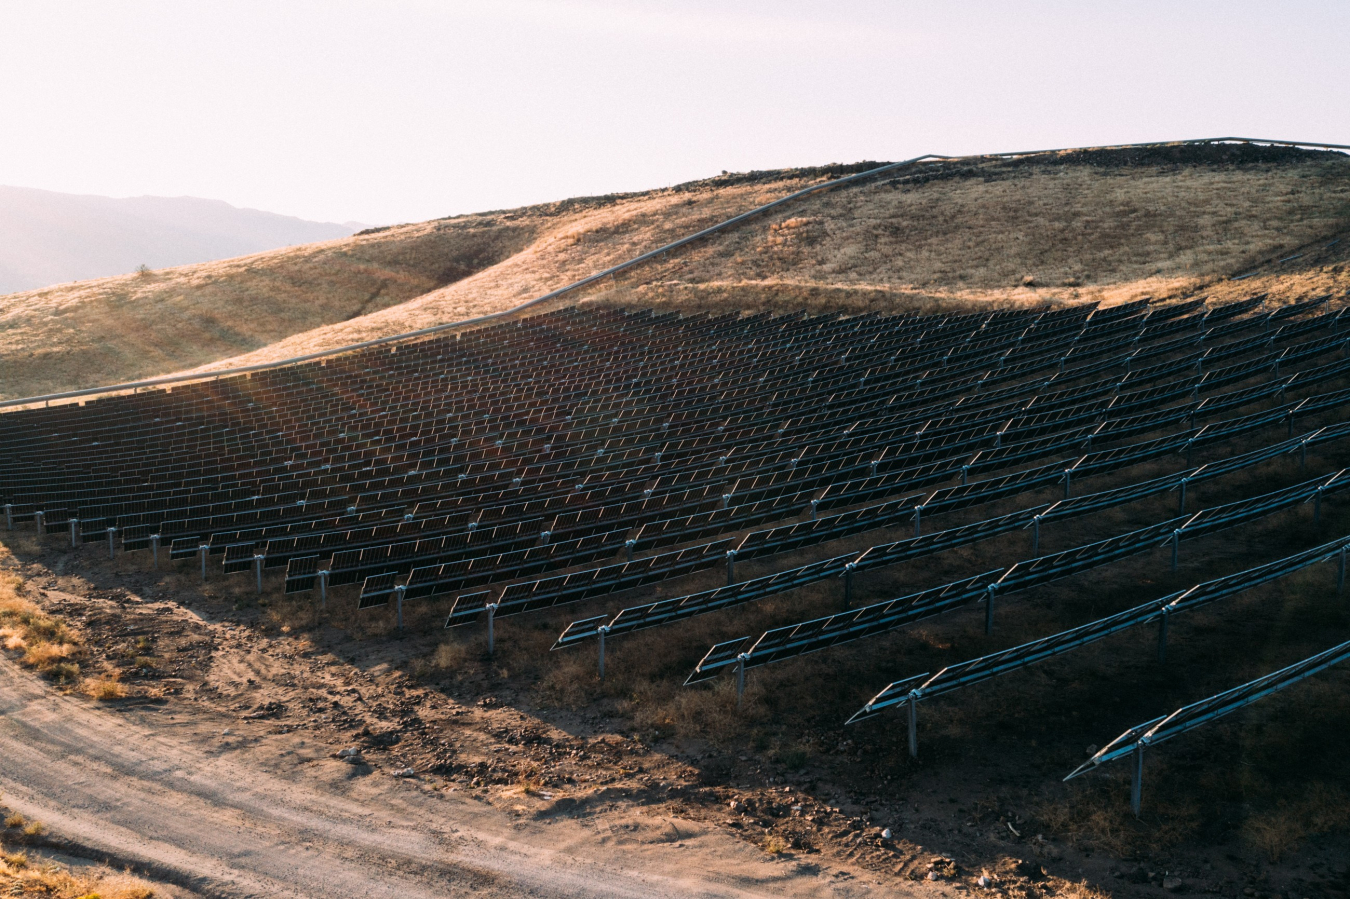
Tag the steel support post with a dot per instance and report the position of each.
(323, 590)
(9, 516)
(814, 504)
(965, 475)
(1181, 502)
(628, 549)
(731, 567)
(1340, 572)
(740, 678)
(154, 550)
(1068, 482)
(112, 532)
(398, 606)
(492, 628)
(848, 582)
(913, 724)
(1176, 547)
(918, 521)
(600, 632)
(1036, 537)
(1137, 782)
(74, 533)
(1302, 456)
(202, 550)
(1317, 506)
(41, 524)
(1162, 636)
(257, 569)
(989, 609)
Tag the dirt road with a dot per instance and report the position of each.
(274, 817)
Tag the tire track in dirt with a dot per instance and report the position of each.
(221, 817)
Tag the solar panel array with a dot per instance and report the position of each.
(592, 452)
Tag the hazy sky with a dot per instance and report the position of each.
(401, 110)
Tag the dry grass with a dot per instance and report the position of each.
(1094, 227)
(21, 876)
(43, 643)
(105, 689)
(276, 304)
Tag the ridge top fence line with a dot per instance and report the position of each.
(635, 261)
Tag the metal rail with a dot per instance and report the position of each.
(635, 261)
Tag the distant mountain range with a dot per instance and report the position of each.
(49, 238)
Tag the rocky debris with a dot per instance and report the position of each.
(405, 772)
(271, 709)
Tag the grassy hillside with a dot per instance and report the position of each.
(1107, 225)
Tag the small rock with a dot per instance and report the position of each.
(1173, 884)
(984, 881)
(933, 875)
(354, 759)
(886, 834)
(405, 772)
(348, 752)
(225, 732)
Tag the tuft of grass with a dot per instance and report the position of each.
(105, 689)
(14, 819)
(775, 845)
(46, 644)
(35, 829)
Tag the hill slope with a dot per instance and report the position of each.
(54, 237)
(1078, 226)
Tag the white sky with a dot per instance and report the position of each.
(403, 110)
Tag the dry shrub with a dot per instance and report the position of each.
(21, 877)
(14, 819)
(106, 688)
(46, 643)
(775, 845)
(450, 656)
